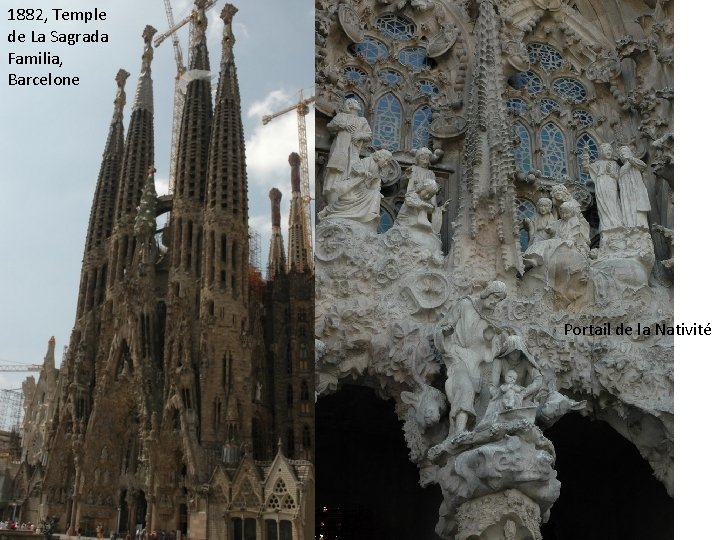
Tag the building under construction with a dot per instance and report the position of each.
(183, 402)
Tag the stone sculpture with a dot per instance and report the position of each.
(634, 201)
(605, 173)
(466, 339)
(568, 231)
(352, 133)
(537, 226)
(357, 197)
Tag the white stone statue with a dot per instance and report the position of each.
(537, 226)
(568, 231)
(466, 339)
(510, 393)
(352, 133)
(420, 208)
(634, 200)
(358, 197)
(605, 172)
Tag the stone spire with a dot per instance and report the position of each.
(92, 280)
(49, 361)
(298, 253)
(276, 259)
(139, 147)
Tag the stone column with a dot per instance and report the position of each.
(508, 515)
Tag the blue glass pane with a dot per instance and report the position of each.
(570, 89)
(517, 106)
(549, 105)
(428, 88)
(527, 80)
(412, 57)
(388, 121)
(548, 57)
(356, 75)
(584, 118)
(524, 209)
(552, 145)
(370, 49)
(386, 221)
(421, 127)
(523, 159)
(390, 77)
(395, 27)
(585, 143)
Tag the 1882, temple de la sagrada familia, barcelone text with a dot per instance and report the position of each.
(491, 174)
(183, 403)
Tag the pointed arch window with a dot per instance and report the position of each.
(386, 221)
(523, 152)
(524, 209)
(552, 146)
(388, 122)
(421, 127)
(585, 143)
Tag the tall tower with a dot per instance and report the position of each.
(94, 271)
(276, 258)
(299, 252)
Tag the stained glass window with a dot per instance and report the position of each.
(524, 209)
(527, 80)
(396, 27)
(388, 121)
(545, 55)
(552, 145)
(412, 57)
(421, 127)
(585, 143)
(517, 105)
(523, 154)
(354, 74)
(549, 105)
(570, 89)
(583, 118)
(370, 49)
(428, 88)
(386, 221)
(390, 77)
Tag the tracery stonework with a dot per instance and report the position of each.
(550, 142)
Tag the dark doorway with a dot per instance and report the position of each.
(608, 490)
(367, 486)
(124, 526)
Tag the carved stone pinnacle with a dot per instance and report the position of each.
(148, 33)
(121, 78)
(227, 13)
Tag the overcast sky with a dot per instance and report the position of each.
(52, 138)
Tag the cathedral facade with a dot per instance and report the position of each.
(494, 260)
(183, 399)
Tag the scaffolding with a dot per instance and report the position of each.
(11, 409)
(254, 247)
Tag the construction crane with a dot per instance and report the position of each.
(302, 107)
(20, 367)
(180, 83)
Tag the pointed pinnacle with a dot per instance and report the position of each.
(120, 100)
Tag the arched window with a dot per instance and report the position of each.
(388, 122)
(548, 57)
(526, 80)
(428, 88)
(421, 127)
(412, 57)
(524, 209)
(585, 143)
(390, 77)
(370, 49)
(523, 151)
(396, 27)
(517, 106)
(354, 74)
(549, 105)
(570, 89)
(552, 146)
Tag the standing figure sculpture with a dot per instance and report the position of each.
(358, 196)
(605, 172)
(468, 338)
(537, 226)
(634, 200)
(352, 133)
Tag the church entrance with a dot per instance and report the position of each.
(367, 487)
(608, 490)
